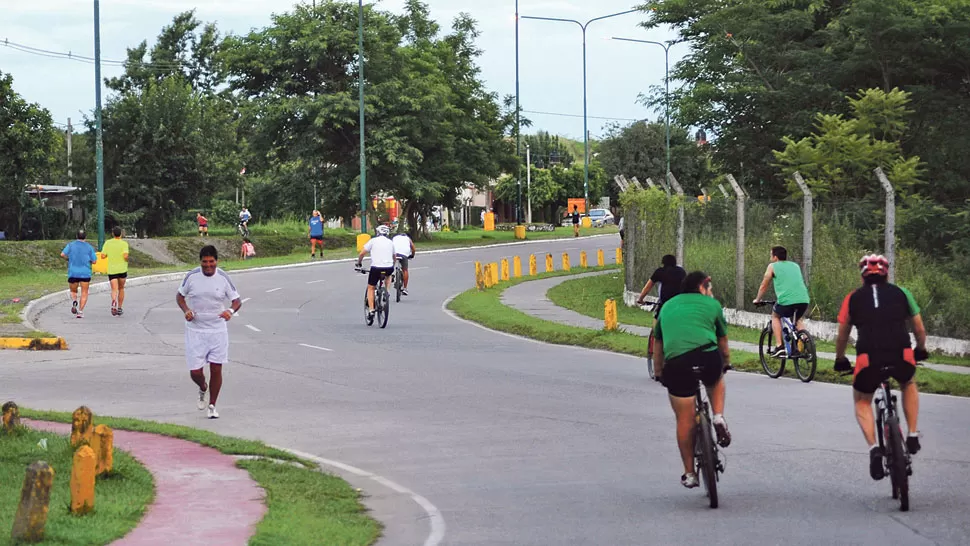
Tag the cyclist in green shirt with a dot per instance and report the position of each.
(790, 292)
(691, 331)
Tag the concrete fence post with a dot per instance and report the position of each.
(35, 498)
(739, 273)
(680, 217)
(890, 222)
(649, 182)
(807, 229)
(723, 191)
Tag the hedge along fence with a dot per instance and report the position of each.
(843, 232)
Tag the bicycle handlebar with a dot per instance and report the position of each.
(763, 303)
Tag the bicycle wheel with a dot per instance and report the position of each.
(807, 359)
(707, 462)
(768, 361)
(384, 309)
(650, 369)
(897, 465)
(398, 284)
(368, 319)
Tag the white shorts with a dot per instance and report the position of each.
(202, 347)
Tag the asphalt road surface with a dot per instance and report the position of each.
(459, 435)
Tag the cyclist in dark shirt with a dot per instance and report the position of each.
(670, 277)
(880, 311)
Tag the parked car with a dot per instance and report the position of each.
(601, 217)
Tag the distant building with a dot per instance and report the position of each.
(61, 197)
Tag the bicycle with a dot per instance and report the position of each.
(398, 277)
(243, 229)
(799, 346)
(382, 304)
(707, 461)
(655, 307)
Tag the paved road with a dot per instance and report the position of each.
(515, 442)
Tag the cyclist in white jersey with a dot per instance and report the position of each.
(381, 251)
(403, 251)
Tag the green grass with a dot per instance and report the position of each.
(304, 504)
(120, 497)
(485, 307)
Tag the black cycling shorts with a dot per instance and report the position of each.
(678, 373)
(317, 238)
(75, 280)
(114, 276)
(374, 276)
(796, 310)
(870, 370)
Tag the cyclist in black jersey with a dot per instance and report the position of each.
(880, 312)
(670, 277)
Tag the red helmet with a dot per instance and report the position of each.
(874, 264)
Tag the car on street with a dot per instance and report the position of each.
(601, 217)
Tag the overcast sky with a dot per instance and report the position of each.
(550, 53)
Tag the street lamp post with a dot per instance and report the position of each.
(666, 84)
(518, 136)
(583, 27)
(98, 142)
(360, 85)
(528, 187)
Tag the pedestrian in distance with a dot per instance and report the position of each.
(575, 221)
(202, 297)
(247, 250)
(316, 234)
(203, 224)
(80, 256)
(116, 252)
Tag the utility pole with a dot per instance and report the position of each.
(98, 141)
(70, 173)
(360, 85)
(528, 181)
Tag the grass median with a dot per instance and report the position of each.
(304, 503)
(485, 307)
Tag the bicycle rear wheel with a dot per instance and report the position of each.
(897, 465)
(807, 359)
(384, 309)
(398, 284)
(650, 370)
(368, 319)
(764, 351)
(707, 462)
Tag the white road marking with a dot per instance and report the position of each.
(316, 281)
(435, 519)
(271, 290)
(418, 268)
(468, 262)
(246, 299)
(253, 328)
(315, 347)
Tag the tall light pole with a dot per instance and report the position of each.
(666, 47)
(518, 136)
(583, 27)
(98, 143)
(360, 85)
(528, 180)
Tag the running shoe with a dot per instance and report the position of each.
(689, 480)
(723, 435)
(79, 315)
(876, 469)
(120, 311)
(201, 404)
(780, 352)
(404, 291)
(74, 307)
(114, 309)
(912, 444)
(213, 414)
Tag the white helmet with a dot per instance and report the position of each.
(383, 230)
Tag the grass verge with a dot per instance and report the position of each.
(304, 503)
(486, 308)
(122, 495)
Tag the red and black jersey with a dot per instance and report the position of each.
(880, 313)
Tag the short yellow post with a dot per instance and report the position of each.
(516, 267)
(81, 427)
(619, 256)
(479, 276)
(505, 269)
(610, 315)
(494, 270)
(587, 222)
(549, 265)
(533, 268)
(35, 499)
(520, 232)
(82, 480)
(103, 444)
(11, 417)
(599, 258)
(362, 239)
(487, 274)
(582, 260)
(489, 221)
(565, 261)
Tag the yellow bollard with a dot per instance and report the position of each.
(505, 269)
(520, 232)
(489, 221)
(619, 256)
(11, 417)
(610, 315)
(494, 271)
(103, 444)
(479, 276)
(516, 267)
(82, 480)
(587, 222)
(362, 239)
(533, 268)
(565, 261)
(487, 274)
(549, 265)
(81, 427)
(35, 499)
(582, 260)
(599, 258)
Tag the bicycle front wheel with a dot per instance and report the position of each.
(650, 370)
(807, 359)
(897, 465)
(707, 462)
(768, 362)
(384, 309)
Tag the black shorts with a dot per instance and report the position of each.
(796, 310)
(375, 274)
(118, 276)
(678, 373)
(403, 260)
(75, 280)
(870, 370)
(317, 238)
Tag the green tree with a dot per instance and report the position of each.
(639, 149)
(548, 150)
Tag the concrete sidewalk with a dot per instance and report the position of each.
(530, 298)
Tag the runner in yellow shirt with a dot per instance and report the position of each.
(116, 252)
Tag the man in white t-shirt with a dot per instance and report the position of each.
(403, 251)
(381, 251)
(202, 298)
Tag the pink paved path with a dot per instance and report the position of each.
(200, 496)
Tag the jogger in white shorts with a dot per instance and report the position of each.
(202, 298)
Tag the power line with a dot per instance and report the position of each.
(160, 66)
(576, 116)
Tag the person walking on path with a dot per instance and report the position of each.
(575, 221)
(79, 255)
(203, 224)
(316, 234)
(201, 297)
(116, 252)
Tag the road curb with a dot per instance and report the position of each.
(34, 343)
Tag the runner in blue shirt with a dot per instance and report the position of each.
(316, 234)
(79, 255)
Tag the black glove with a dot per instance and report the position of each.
(843, 365)
(921, 354)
